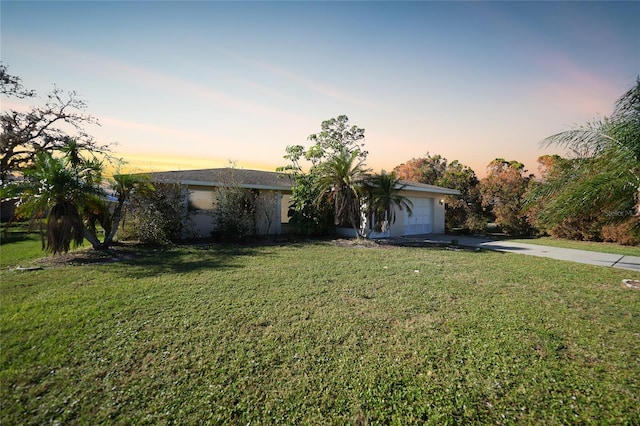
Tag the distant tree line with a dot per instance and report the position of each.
(593, 194)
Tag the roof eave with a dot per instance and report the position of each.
(219, 184)
(443, 191)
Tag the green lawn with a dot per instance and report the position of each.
(583, 245)
(19, 247)
(316, 333)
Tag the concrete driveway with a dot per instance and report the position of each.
(631, 263)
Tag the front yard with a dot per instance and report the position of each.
(318, 333)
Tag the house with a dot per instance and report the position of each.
(197, 191)
(427, 211)
(197, 188)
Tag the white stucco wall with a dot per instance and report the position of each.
(428, 217)
(436, 213)
(201, 200)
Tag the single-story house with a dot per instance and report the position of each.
(198, 188)
(427, 211)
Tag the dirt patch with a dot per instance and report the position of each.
(356, 243)
(388, 243)
(89, 256)
(634, 284)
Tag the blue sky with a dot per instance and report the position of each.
(182, 85)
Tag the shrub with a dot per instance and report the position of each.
(154, 218)
(476, 224)
(234, 212)
(577, 228)
(627, 232)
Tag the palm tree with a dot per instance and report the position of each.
(57, 193)
(340, 182)
(604, 176)
(66, 192)
(383, 198)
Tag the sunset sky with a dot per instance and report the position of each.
(181, 85)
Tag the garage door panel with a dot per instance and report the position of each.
(421, 221)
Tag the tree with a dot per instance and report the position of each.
(234, 211)
(602, 180)
(307, 216)
(66, 193)
(503, 190)
(125, 186)
(156, 216)
(383, 197)
(42, 128)
(555, 172)
(315, 202)
(341, 184)
(11, 85)
(464, 210)
(428, 169)
(336, 135)
(267, 204)
(56, 193)
(58, 177)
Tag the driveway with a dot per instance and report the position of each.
(631, 263)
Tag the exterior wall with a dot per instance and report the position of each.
(201, 203)
(433, 213)
(438, 215)
(399, 228)
(201, 222)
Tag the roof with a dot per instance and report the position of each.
(253, 179)
(259, 179)
(423, 187)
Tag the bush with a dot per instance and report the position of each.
(155, 218)
(476, 224)
(626, 233)
(235, 212)
(584, 228)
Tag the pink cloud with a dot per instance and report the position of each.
(572, 88)
(161, 82)
(154, 129)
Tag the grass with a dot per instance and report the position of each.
(583, 245)
(19, 246)
(319, 334)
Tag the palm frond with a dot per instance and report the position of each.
(64, 226)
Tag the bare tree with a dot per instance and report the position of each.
(11, 85)
(44, 129)
(267, 208)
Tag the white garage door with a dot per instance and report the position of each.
(420, 222)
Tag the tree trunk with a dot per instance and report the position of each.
(95, 242)
(115, 222)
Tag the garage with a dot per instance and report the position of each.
(421, 221)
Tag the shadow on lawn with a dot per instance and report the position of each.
(15, 237)
(160, 261)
